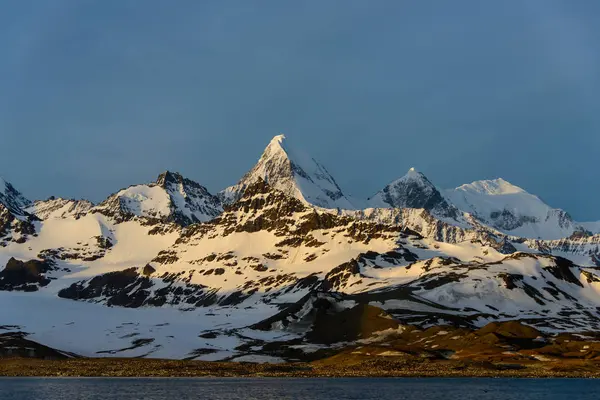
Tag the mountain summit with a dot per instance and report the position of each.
(295, 174)
(171, 198)
(413, 190)
(511, 209)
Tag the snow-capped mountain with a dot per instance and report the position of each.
(162, 270)
(12, 199)
(59, 208)
(172, 198)
(512, 210)
(258, 274)
(413, 190)
(294, 173)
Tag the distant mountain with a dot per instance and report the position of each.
(413, 190)
(512, 210)
(295, 174)
(172, 198)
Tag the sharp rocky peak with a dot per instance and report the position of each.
(168, 177)
(414, 176)
(413, 190)
(174, 178)
(171, 198)
(294, 173)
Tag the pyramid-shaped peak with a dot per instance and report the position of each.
(169, 177)
(279, 139)
(413, 190)
(293, 172)
(278, 148)
(413, 173)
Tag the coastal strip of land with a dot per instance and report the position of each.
(377, 367)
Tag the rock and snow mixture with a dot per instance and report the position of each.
(169, 270)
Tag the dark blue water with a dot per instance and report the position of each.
(297, 389)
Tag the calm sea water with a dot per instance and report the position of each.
(297, 389)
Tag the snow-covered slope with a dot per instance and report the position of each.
(512, 210)
(59, 208)
(413, 190)
(172, 198)
(294, 173)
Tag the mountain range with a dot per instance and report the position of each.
(167, 269)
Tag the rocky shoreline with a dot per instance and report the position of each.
(376, 367)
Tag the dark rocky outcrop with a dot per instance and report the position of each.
(338, 277)
(16, 345)
(148, 270)
(26, 276)
(117, 287)
(563, 270)
(359, 322)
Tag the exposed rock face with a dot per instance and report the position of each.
(123, 288)
(16, 345)
(12, 199)
(583, 247)
(15, 223)
(504, 246)
(338, 277)
(198, 203)
(358, 322)
(263, 208)
(26, 276)
(423, 223)
(508, 221)
(6, 220)
(413, 190)
(60, 208)
(15, 228)
(172, 198)
(293, 173)
(132, 289)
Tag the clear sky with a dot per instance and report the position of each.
(98, 95)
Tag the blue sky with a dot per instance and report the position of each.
(98, 95)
